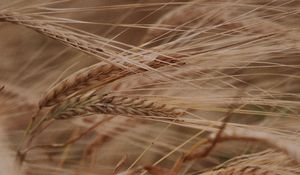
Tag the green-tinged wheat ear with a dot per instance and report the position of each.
(92, 103)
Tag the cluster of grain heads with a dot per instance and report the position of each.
(73, 97)
(95, 76)
(195, 57)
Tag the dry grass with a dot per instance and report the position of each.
(150, 87)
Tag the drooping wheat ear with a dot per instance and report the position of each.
(93, 103)
(57, 32)
(291, 148)
(95, 75)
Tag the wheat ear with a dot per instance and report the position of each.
(93, 103)
(57, 32)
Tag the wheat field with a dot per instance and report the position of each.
(150, 87)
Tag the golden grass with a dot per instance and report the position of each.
(160, 88)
